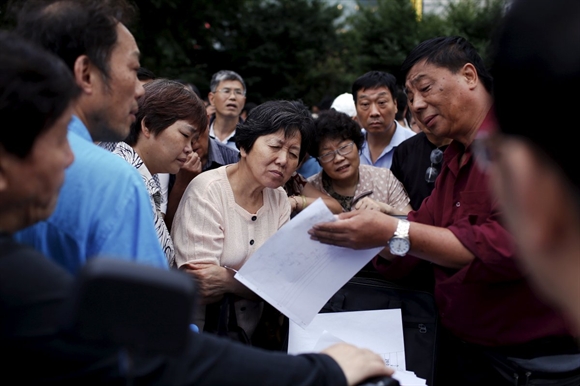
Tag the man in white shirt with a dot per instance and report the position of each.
(228, 96)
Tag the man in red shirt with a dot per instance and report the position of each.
(485, 302)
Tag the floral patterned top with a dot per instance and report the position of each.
(382, 185)
(154, 189)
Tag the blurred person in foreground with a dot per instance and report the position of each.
(535, 174)
(37, 91)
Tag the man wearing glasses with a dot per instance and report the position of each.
(486, 306)
(228, 96)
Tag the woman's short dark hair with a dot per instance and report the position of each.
(36, 88)
(335, 125)
(270, 117)
(165, 102)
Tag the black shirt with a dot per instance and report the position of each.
(410, 162)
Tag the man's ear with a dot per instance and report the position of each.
(144, 130)
(84, 73)
(210, 98)
(469, 73)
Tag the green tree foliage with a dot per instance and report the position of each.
(288, 49)
(293, 49)
(476, 20)
(180, 39)
(382, 35)
(284, 49)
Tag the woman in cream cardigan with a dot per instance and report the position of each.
(226, 214)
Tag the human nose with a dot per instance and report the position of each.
(188, 147)
(417, 104)
(139, 89)
(338, 157)
(282, 158)
(374, 110)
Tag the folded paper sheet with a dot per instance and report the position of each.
(298, 275)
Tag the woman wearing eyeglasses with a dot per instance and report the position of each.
(336, 143)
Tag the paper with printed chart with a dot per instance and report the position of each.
(297, 275)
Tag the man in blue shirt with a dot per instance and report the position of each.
(103, 207)
(375, 98)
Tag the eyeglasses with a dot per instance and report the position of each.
(343, 150)
(227, 91)
(485, 149)
(432, 172)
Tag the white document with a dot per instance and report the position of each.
(380, 331)
(298, 275)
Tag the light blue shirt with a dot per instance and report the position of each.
(103, 210)
(309, 168)
(386, 157)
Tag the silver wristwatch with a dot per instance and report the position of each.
(400, 244)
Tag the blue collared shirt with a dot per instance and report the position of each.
(220, 154)
(103, 210)
(386, 157)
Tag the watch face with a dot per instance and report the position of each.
(399, 246)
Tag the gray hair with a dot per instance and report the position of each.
(225, 75)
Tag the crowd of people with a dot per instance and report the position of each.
(440, 170)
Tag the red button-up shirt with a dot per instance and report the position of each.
(489, 301)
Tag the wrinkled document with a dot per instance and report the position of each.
(297, 275)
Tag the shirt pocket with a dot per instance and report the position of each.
(475, 206)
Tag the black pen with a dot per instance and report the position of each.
(231, 269)
(357, 198)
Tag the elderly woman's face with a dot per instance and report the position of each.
(273, 158)
(346, 159)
